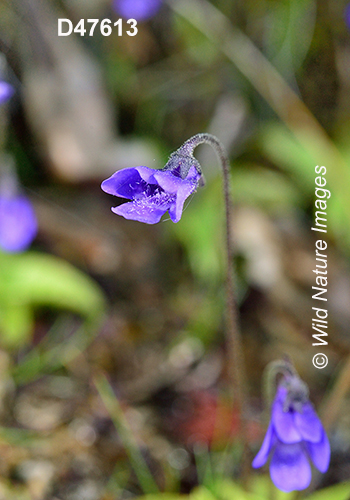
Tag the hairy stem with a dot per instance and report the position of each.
(273, 369)
(233, 337)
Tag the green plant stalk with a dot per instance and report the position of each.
(203, 464)
(115, 411)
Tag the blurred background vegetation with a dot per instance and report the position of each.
(112, 352)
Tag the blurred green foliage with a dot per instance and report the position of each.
(261, 489)
(32, 280)
(166, 85)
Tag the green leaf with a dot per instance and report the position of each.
(287, 44)
(254, 185)
(283, 149)
(201, 493)
(227, 490)
(299, 162)
(199, 49)
(263, 487)
(162, 496)
(40, 279)
(16, 322)
(337, 492)
(33, 280)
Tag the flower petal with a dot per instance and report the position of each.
(283, 421)
(320, 453)
(6, 92)
(147, 174)
(18, 224)
(264, 451)
(141, 10)
(175, 210)
(289, 468)
(308, 423)
(168, 181)
(193, 174)
(141, 213)
(129, 182)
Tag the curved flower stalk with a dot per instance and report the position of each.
(151, 194)
(6, 92)
(295, 436)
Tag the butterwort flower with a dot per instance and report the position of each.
(141, 10)
(295, 437)
(18, 223)
(6, 92)
(154, 192)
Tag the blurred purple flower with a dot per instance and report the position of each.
(153, 192)
(18, 224)
(347, 15)
(294, 436)
(6, 92)
(141, 10)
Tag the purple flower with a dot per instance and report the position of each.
(294, 436)
(347, 15)
(153, 192)
(141, 10)
(18, 224)
(6, 92)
